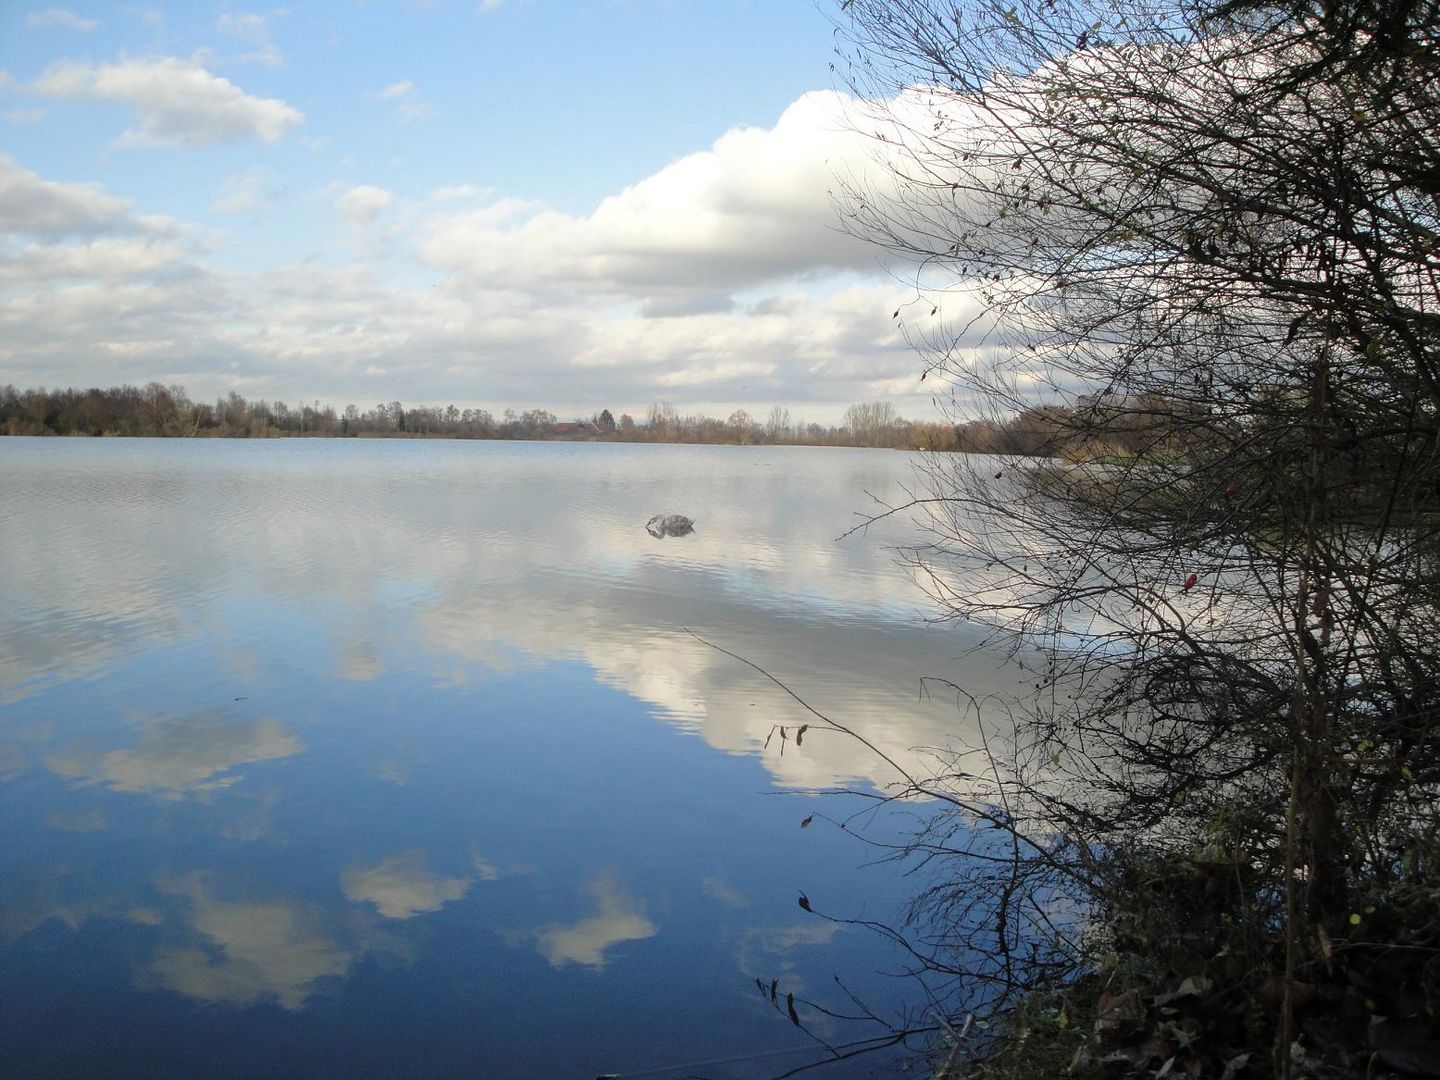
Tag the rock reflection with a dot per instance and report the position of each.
(402, 886)
(617, 918)
(250, 951)
(180, 756)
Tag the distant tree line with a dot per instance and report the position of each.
(153, 410)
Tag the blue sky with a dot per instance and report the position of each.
(523, 203)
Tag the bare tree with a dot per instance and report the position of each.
(871, 423)
(777, 424)
(739, 426)
(663, 418)
(1209, 235)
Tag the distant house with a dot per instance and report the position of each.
(578, 427)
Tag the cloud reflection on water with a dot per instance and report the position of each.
(401, 886)
(441, 661)
(617, 919)
(249, 951)
(462, 559)
(865, 676)
(718, 888)
(179, 756)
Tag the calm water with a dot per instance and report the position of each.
(396, 759)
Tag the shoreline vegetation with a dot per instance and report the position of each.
(1209, 846)
(157, 411)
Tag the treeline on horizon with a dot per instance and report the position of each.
(157, 411)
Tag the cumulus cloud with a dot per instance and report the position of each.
(103, 332)
(59, 17)
(109, 258)
(178, 101)
(719, 281)
(361, 204)
(39, 207)
(78, 259)
(753, 208)
(346, 334)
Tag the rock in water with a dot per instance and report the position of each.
(662, 525)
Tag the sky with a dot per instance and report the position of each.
(559, 204)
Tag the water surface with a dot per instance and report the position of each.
(337, 758)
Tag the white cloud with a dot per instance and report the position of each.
(244, 193)
(179, 102)
(344, 333)
(100, 332)
(59, 17)
(489, 5)
(719, 281)
(753, 208)
(22, 116)
(109, 258)
(31, 205)
(361, 204)
(410, 104)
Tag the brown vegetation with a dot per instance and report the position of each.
(1210, 231)
(167, 411)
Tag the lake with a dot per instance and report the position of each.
(343, 758)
